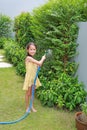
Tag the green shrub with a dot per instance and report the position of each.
(5, 29)
(66, 92)
(58, 31)
(5, 26)
(20, 68)
(16, 55)
(22, 29)
(2, 42)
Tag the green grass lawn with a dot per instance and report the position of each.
(12, 107)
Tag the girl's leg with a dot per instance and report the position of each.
(27, 97)
(33, 109)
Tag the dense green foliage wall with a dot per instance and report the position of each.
(55, 26)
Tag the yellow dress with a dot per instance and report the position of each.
(31, 70)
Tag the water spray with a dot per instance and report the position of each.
(48, 53)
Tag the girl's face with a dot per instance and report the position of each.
(32, 50)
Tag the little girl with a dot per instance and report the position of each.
(31, 68)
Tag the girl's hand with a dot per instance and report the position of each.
(44, 57)
(31, 59)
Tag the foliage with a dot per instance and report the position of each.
(84, 108)
(83, 115)
(2, 41)
(5, 26)
(52, 30)
(66, 92)
(55, 27)
(15, 55)
(22, 30)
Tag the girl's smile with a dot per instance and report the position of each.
(32, 50)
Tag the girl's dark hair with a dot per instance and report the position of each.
(28, 45)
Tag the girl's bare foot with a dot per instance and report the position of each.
(33, 110)
(28, 110)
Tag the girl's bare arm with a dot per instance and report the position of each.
(31, 59)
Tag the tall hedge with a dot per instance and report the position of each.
(22, 30)
(55, 26)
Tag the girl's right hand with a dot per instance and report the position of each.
(43, 57)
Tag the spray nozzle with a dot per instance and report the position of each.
(48, 53)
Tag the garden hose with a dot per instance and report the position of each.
(30, 105)
(48, 53)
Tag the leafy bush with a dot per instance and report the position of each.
(5, 26)
(66, 92)
(2, 41)
(20, 68)
(22, 28)
(16, 55)
(58, 30)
